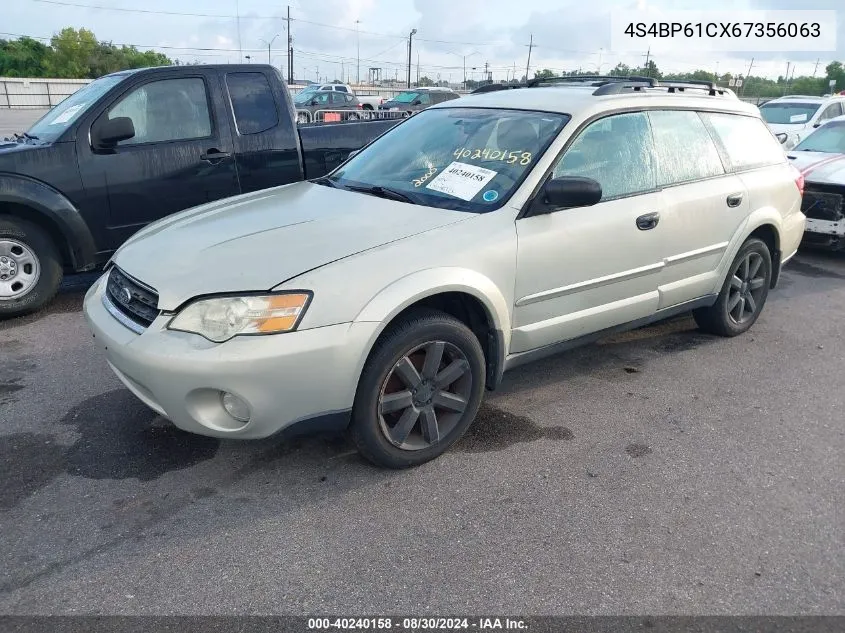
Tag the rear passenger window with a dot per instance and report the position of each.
(615, 151)
(746, 140)
(340, 88)
(684, 148)
(252, 102)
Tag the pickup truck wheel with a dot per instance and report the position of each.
(419, 391)
(30, 267)
(743, 294)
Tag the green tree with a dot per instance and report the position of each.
(425, 82)
(72, 53)
(544, 74)
(23, 57)
(836, 72)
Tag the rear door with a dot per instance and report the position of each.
(265, 136)
(702, 205)
(180, 156)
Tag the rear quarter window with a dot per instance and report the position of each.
(744, 141)
(253, 103)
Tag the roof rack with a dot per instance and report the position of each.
(610, 85)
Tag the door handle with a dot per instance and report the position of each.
(734, 200)
(214, 154)
(648, 221)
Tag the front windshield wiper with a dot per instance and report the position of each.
(31, 137)
(381, 192)
(325, 180)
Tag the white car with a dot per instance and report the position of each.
(475, 236)
(794, 117)
(821, 159)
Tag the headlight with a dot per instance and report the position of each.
(220, 318)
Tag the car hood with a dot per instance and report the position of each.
(12, 149)
(821, 167)
(256, 241)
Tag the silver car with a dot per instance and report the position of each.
(474, 237)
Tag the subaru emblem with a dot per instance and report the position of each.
(125, 295)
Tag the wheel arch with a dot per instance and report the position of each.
(467, 295)
(37, 202)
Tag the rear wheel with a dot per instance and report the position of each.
(743, 294)
(30, 267)
(419, 391)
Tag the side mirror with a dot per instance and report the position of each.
(782, 137)
(110, 132)
(417, 102)
(567, 193)
(313, 102)
(816, 124)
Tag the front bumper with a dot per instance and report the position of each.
(286, 379)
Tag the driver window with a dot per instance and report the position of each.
(832, 111)
(424, 99)
(616, 152)
(166, 110)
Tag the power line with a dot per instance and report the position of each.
(99, 7)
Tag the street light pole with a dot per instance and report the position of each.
(269, 45)
(410, 44)
(358, 42)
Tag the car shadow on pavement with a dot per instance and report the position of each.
(68, 300)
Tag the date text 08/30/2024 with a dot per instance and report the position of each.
(416, 624)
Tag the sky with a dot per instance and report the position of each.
(329, 36)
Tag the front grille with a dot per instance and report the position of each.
(131, 298)
(822, 205)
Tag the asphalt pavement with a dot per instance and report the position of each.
(661, 471)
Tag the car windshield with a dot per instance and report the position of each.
(828, 138)
(788, 113)
(467, 159)
(56, 121)
(406, 97)
(304, 96)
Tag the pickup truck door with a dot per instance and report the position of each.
(266, 139)
(181, 155)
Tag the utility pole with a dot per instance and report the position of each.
(358, 42)
(528, 64)
(418, 68)
(786, 79)
(238, 19)
(410, 45)
(465, 72)
(290, 51)
(816, 67)
(747, 76)
(647, 67)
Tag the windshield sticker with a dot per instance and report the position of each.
(509, 157)
(490, 195)
(462, 180)
(419, 182)
(798, 118)
(68, 114)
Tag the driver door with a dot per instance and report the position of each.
(582, 270)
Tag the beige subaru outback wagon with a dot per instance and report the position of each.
(473, 237)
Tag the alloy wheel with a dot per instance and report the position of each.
(747, 288)
(424, 395)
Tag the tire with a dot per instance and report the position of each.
(743, 294)
(386, 404)
(30, 267)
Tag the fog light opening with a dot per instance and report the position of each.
(235, 407)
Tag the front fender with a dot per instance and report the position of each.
(404, 292)
(42, 199)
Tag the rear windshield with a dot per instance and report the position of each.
(788, 113)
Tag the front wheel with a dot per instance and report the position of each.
(30, 268)
(743, 294)
(419, 391)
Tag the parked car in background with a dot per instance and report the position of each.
(132, 147)
(418, 99)
(368, 102)
(794, 117)
(311, 106)
(821, 159)
(478, 235)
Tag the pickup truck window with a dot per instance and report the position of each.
(467, 159)
(51, 125)
(166, 110)
(252, 102)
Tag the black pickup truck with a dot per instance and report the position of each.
(135, 146)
